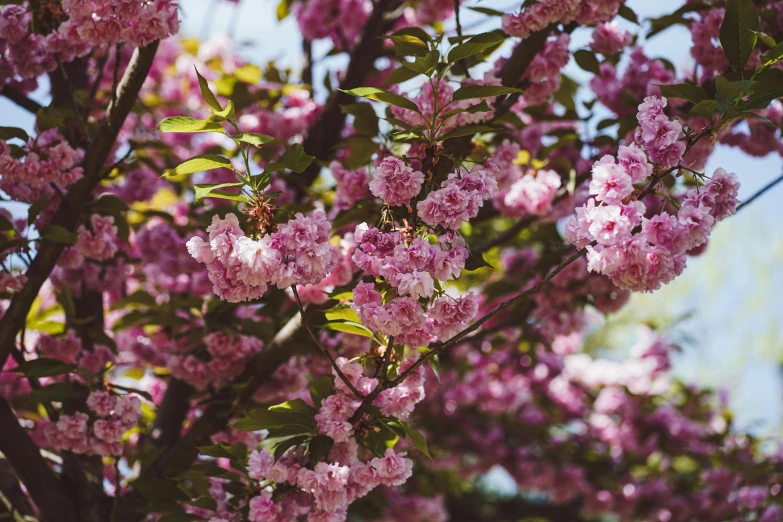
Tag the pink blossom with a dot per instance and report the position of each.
(393, 468)
(395, 183)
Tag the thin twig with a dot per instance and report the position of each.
(761, 192)
(440, 347)
(323, 348)
(456, 18)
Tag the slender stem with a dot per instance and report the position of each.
(761, 192)
(438, 348)
(323, 348)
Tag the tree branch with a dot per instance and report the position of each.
(46, 491)
(181, 454)
(760, 193)
(73, 204)
(21, 100)
(323, 348)
(325, 132)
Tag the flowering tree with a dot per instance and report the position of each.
(223, 300)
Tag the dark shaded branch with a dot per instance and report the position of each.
(307, 62)
(180, 455)
(21, 100)
(15, 501)
(48, 493)
(325, 132)
(171, 413)
(73, 204)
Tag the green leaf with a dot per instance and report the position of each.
(7, 133)
(487, 11)
(587, 61)
(410, 41)
(685, 91)
(425, 64)
(402, 74)
(204, 191)
(48, 118)
(35, 209)
(349, 327)
(58, 234)
(295, 405)
(772, 57)
(56, 392)
(416, 438)
(628, 13)
(479, 107)
(137, 298)
(255, 139)
(43, 367)
(295, 159)
(729, 91)
(738, 32)
(295, 422)
(109, 204)
(373, 93)
(319, 448)
(766, 39)
(283, 9)
(477, 44)
(286, 444)
(206, 92)
(199, 163)
(365, 120)
(768, 86)
(320, 389)
(224, 114)
(342, 312)
(705, 108)
(466, 130)
(185, 124)
(475, 261)
(483, 91)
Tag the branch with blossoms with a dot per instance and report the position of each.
(410, 226)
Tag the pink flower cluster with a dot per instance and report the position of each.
(459, 198)
(328, 489)
(227, 359)
(47, 160)
(68, 349)
(610, 39)
(640, 78)
(89, 24)
(99, 241)
(396, 183)
(12, 282)
(411, 269)
(706, 49)
(99, 433)
(340, 20)
(538, 15)
(543, 74)
(241, 268)
(406, 320)
(661, 137)
(642, 261)
(352, 185)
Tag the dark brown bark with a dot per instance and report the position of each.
(49, 494)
